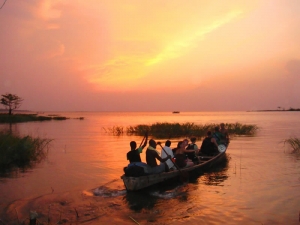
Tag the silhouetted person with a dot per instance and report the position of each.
(134, 154)
(152, 154)
(209, 145)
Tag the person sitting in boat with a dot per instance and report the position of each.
(193, 146)
(134, 154)
(185, 142)
(168, 151)
(152, 154)
(209, 145)
(224, 131)
(137, 169)
(180, 158)
(218, 136)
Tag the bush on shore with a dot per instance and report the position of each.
(22, 152)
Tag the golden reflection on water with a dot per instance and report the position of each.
(252, 188)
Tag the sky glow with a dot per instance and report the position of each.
(117, 55)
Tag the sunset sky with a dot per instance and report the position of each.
(151, 55)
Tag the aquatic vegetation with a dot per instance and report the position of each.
(115, 130)
(241, 129)
(18, 118)
(168, 130)
(17, 151)
(171, 130)
(294, 143)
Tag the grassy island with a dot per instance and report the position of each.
(21, 151)
(171, 130)
(18, 118)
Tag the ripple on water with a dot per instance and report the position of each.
(107, 192)
(172, 193)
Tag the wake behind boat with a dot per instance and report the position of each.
(205, 162)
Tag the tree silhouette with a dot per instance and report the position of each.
(11, 102)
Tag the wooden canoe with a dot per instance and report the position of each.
(137, 183)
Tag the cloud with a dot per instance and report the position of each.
(57, 50)
(176, 48)
(136, 53)
(48, 11)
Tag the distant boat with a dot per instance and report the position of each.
(176, 112)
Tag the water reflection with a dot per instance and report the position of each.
(10, 127)
(83, 157)
(140, 200)
(214, 179)
(211, 176)
(150, 197)
(174, 189)
(216, 175)
(15, 173)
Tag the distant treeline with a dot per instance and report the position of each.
(275, 110)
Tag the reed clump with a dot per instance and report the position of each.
(115, 130)
(294, 143)
(241, 129)
(21, 151)
(171, 130)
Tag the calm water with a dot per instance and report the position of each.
(79, 182)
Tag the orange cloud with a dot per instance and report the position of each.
(137, 48)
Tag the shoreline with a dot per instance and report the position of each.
(274, 110)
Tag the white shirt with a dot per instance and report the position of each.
(164, 155)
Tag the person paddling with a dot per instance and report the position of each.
(134, 154)
(152, 154)
(165, 151)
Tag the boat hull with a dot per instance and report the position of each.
(137, 183)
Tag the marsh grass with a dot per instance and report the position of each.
(172, 130)
(18, 118)
(115, 130)
(294, 143)
(241, 129)
(22, 152)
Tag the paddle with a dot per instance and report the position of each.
(221, 148)
(183, 176)
(143, 139)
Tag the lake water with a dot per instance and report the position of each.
(79, 182)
